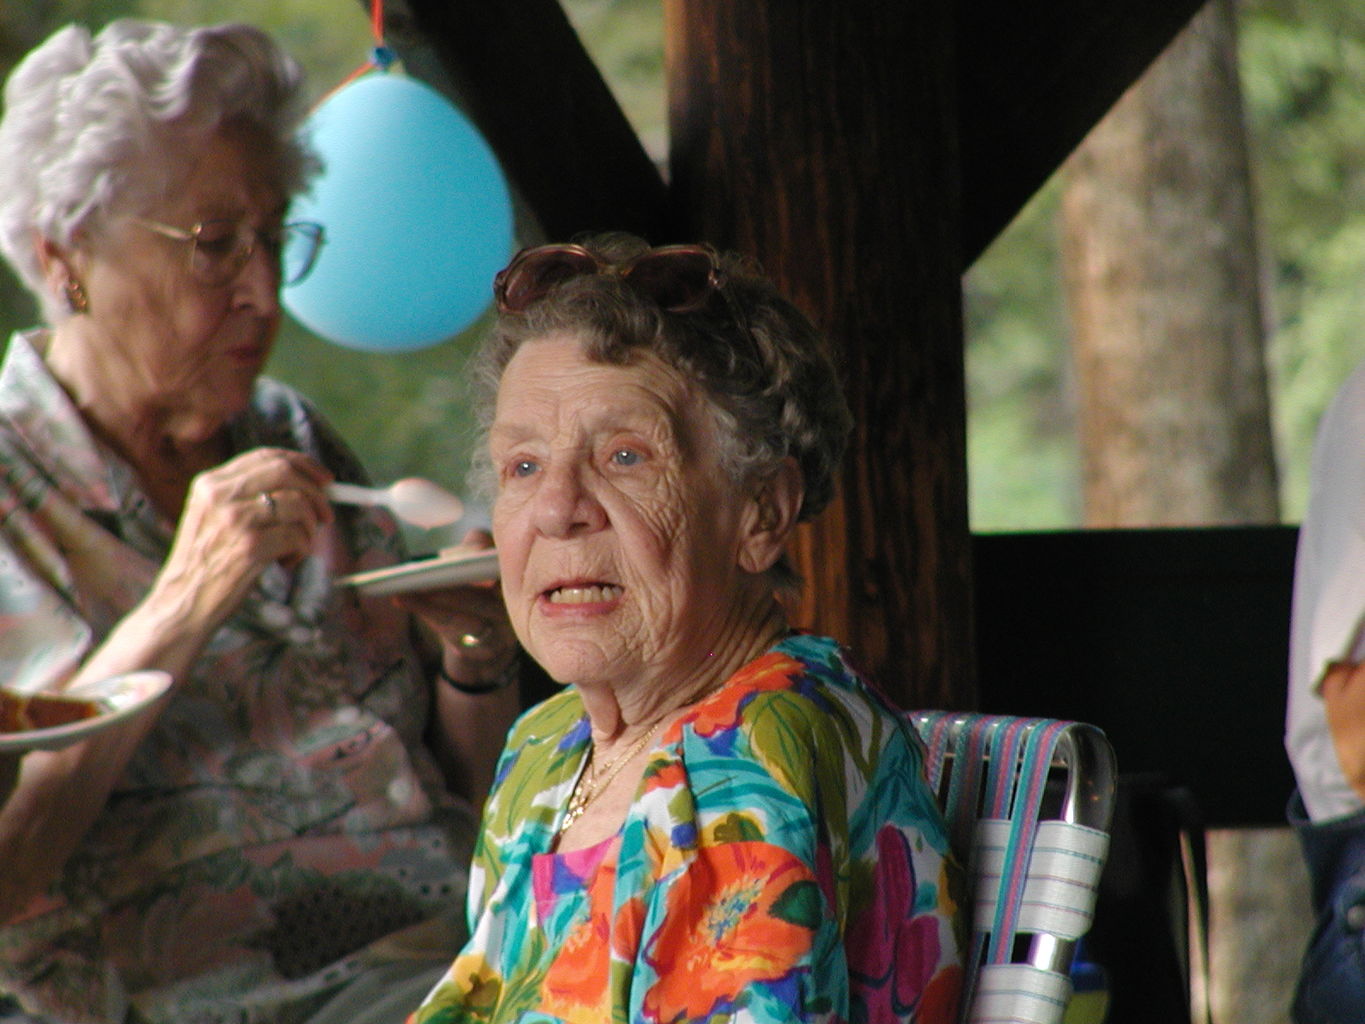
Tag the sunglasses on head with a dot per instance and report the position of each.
(677, 278)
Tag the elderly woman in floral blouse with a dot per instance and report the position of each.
(718, 818)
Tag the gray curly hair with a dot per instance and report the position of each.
(760, 362)
(98, 125)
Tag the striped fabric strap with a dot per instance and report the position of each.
(964, 789)
(1019, 994)
(1063, 874)
(1038, 748)
(938, 727)
(1006, 739)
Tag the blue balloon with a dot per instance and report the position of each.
(417, 214)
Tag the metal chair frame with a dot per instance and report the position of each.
(1033, 849)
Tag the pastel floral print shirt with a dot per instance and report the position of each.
(283, 817)
(784, 860)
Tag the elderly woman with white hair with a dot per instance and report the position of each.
(293, 819)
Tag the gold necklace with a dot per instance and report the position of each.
(590, 786)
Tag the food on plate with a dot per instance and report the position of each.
(20, 712)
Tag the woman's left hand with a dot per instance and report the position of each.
(477, 642)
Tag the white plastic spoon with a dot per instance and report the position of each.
(413, 500)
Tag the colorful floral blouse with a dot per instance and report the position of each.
(284, 816)
(784, 860)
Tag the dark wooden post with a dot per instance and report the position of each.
(821, 138)
(524, 78)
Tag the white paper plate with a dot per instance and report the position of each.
(426, 574)
(122, 696)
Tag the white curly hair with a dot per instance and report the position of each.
(97, 125)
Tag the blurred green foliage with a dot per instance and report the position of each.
(1303, 65)
(1023, 455)
(1303, 72)
(1303, 75)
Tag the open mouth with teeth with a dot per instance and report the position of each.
(584, 593)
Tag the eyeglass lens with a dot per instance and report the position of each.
(222, 248)
(530, 278)
(299, 251)
(219, 250)
(678, 280)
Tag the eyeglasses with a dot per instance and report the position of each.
(220, 249)
(678, 278)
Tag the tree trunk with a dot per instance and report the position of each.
(1160, 259)
(1159, 252)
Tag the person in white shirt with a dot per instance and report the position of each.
(1325, 725)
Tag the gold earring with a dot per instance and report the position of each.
(76, 299)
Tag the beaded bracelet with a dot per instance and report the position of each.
(504, 679)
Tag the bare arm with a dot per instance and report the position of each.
(1343, 696)
(469, 729)
(225, 539)
(473, 730)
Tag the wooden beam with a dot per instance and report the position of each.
(1033, 79)
(525, 80)
(820, 137)
(833, 141)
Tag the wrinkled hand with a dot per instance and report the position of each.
(477, 642)
(262, 506)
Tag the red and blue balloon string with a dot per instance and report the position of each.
(382, 56)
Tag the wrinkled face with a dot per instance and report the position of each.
(619, 535)
(169, 341)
